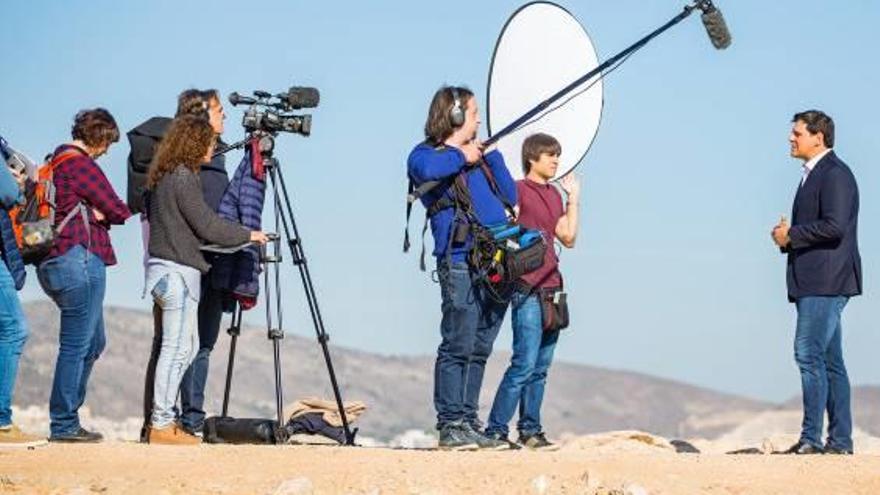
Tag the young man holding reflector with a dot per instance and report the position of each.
(539, 305)
(480, 184)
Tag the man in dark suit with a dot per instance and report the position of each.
(824, 271)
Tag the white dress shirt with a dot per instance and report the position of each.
(810, 164)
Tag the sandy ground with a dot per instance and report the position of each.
(124, 467)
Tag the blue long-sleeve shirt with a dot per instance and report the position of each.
(427, 163)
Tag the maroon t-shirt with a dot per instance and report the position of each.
(540, 207)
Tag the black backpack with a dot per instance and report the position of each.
(143, 140)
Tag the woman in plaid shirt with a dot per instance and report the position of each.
(73, 274)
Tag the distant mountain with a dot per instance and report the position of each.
(398, 390)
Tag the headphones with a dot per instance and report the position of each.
(456, 113)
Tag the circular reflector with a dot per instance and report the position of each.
(541, 50)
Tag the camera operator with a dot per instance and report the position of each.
(180, 220)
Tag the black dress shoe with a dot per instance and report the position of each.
(80, 436)
(837, 451)
(802, 448)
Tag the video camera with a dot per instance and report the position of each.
(271, 113)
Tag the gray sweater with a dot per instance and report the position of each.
(181, 221)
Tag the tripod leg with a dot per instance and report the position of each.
(299, 259)
(275, 325)
(280, 432)
(234, 331)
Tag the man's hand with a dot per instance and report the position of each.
(572, 187)
(486, 149)
(471, 150)
(780, 233)
(98, 215)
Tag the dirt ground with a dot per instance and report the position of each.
(124, 467)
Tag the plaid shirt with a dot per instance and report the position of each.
(79, 179)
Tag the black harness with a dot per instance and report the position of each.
(465, 224)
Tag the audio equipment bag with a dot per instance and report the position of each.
(518, 251)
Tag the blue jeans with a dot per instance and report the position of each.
(819, 354)
(13, 334)
(470, 323)
(180, 340)
(192, 388)
(75, 281)
(523, 382)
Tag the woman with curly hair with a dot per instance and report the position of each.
(180, 221)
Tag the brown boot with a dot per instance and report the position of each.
(11, 437)
(171, 435)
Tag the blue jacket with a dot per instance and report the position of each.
(427, 163)
(242, 203)
(823, 257)
(9, 197)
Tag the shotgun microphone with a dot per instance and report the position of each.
(716, 28)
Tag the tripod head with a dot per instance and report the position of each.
(265, 143)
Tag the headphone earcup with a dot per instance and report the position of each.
(457, 116)
(456, 113)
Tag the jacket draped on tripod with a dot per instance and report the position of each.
(239, 273)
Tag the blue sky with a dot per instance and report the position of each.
(674, 273)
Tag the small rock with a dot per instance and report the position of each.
(603, 490)
(98, 488)
(634, 489)
(295, 486)
(683, 447)
(414, 439)
(541, 484)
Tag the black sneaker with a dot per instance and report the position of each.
(455, 437)
(503, 438)
(194, 431)
(485, 442)
(802, 448)
(831, 450)
(535, 441)
(80, 436)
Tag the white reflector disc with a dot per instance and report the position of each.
(541, 50)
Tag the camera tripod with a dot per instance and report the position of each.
(263, 144)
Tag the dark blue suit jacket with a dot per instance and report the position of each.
(823, 257)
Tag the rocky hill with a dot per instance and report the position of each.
(398, 390)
